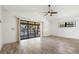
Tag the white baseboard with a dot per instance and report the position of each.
(65, 37)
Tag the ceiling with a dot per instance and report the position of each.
(27, 8)
(61, 9)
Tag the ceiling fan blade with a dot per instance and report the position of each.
(54, 12)
(45, 14)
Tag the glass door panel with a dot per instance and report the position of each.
(29, 30)
(23, 31)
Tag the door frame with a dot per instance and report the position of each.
(18, 29)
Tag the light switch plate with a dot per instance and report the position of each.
(12, 28)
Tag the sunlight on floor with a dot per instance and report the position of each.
(31, 45)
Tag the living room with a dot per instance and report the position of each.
(61, 26)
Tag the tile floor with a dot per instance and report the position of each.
(46, 45)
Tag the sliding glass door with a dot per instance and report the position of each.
(29, 29)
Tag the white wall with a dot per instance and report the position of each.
(71, 32)
(9, 22)
(0, 28)
(65, 13)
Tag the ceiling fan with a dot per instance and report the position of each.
(50, 11)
